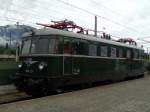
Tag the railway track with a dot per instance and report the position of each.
(13, 97)
(20, 96)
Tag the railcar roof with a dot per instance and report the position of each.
(52, 31)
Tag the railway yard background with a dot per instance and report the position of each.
(126, 96)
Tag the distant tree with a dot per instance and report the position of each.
(6, 50)
(9, 51)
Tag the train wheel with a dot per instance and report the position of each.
(44, 91)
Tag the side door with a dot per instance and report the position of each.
(67, 56)
(129, 61)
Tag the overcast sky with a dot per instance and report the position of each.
(125, 18)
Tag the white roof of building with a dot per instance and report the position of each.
(52, 31)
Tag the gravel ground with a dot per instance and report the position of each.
(127, 96)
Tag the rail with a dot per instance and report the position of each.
(13, 97)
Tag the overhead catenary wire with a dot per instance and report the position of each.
(31, 13)
(111, 11)
(91, 14)
(117, 23)
(84, 10)
(36, 14)
(16, 20)
(144, 40)
(37, 17)
(22, 20)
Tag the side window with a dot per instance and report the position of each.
(53, 46)
(67, 46)
(80, 47)
(120, 53)
(141, 54)
(135, 54)
(104, 50)
(40, 46)
(113, 52)
(128, 54)
(92, 50)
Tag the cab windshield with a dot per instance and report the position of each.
(40, 46)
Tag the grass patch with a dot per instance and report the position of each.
(7, 68)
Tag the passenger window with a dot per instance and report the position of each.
(67, 46)
(120, 53)
(113, 52)
(104, 51)
(135, 54)
(141, 54)
(92, 50)
(128, 55)
(80, 47)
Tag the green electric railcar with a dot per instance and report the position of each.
(52, 58)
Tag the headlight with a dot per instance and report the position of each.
(20, 65)
(41, 66)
